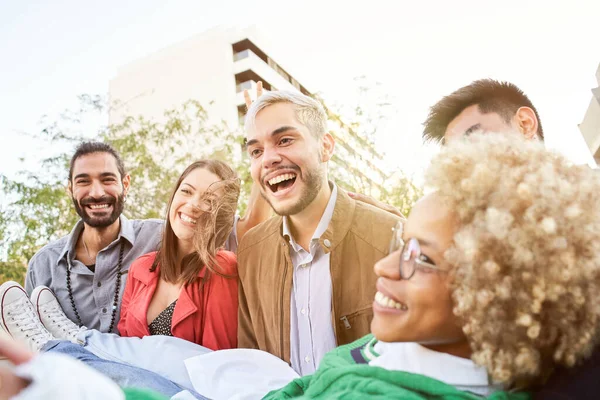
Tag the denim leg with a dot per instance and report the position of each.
(123, 375)
(163, 355)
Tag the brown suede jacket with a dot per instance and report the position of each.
(358, 236)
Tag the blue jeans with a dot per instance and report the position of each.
(124, 375)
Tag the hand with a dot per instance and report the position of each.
(10, 384)
(259, 92)
(379, 204)
(258, 210)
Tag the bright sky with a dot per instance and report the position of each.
(419, 51)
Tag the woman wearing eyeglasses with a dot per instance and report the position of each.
(491, 283)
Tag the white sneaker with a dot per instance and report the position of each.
(19, 318)
(52, 315)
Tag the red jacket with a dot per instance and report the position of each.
(215, 308)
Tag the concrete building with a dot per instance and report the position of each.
(214, 68)
(590, 126)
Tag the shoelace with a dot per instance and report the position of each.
(22, 314)
(57, 316)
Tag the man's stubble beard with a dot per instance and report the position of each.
(313, 183)
(104, 222)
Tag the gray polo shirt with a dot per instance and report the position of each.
(93, 292)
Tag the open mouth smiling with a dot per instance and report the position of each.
(187, 219)
(387, 302)
(98, 206)
(281, 182)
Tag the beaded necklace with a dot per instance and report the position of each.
(117, 289)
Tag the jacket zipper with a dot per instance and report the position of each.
(344, 319)
(347, 325)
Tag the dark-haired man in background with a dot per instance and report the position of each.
(484, 105)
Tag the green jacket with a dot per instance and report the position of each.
(340, 376)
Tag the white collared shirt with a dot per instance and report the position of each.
(311, 328)
(462, 373)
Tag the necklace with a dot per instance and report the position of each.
(117, 289)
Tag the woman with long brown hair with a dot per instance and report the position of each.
(188, 288)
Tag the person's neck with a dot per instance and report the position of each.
(458, 349)
(304, 224)
(96, 239)
(184, 248)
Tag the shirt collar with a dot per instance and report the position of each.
(71, 242)
(127, 232)
(323, 223)
(412, 357)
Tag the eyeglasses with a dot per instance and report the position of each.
(411, 257)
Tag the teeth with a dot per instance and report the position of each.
(281, 178)
(385, 301)
(98, 206)
(187, 219)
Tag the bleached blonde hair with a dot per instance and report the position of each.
(309, 112)
(526, 256)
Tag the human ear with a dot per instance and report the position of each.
(527, 122)
(126, 183)
(327, 146)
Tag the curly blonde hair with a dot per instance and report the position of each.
(526, 255)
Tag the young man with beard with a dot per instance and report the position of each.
(87, 269)
(307, 283)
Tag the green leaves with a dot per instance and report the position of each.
(37, 207)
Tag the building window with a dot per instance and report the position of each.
(241, 55)
(248, 85)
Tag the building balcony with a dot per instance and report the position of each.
(246, 60)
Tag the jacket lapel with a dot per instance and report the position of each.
(149, 280)
(185, 307)
(343, 215)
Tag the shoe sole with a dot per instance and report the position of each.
(35, 297)
(6, 286)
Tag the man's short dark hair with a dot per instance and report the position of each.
(503, 98)
(86, 148)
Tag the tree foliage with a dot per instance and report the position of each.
(38, 208)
